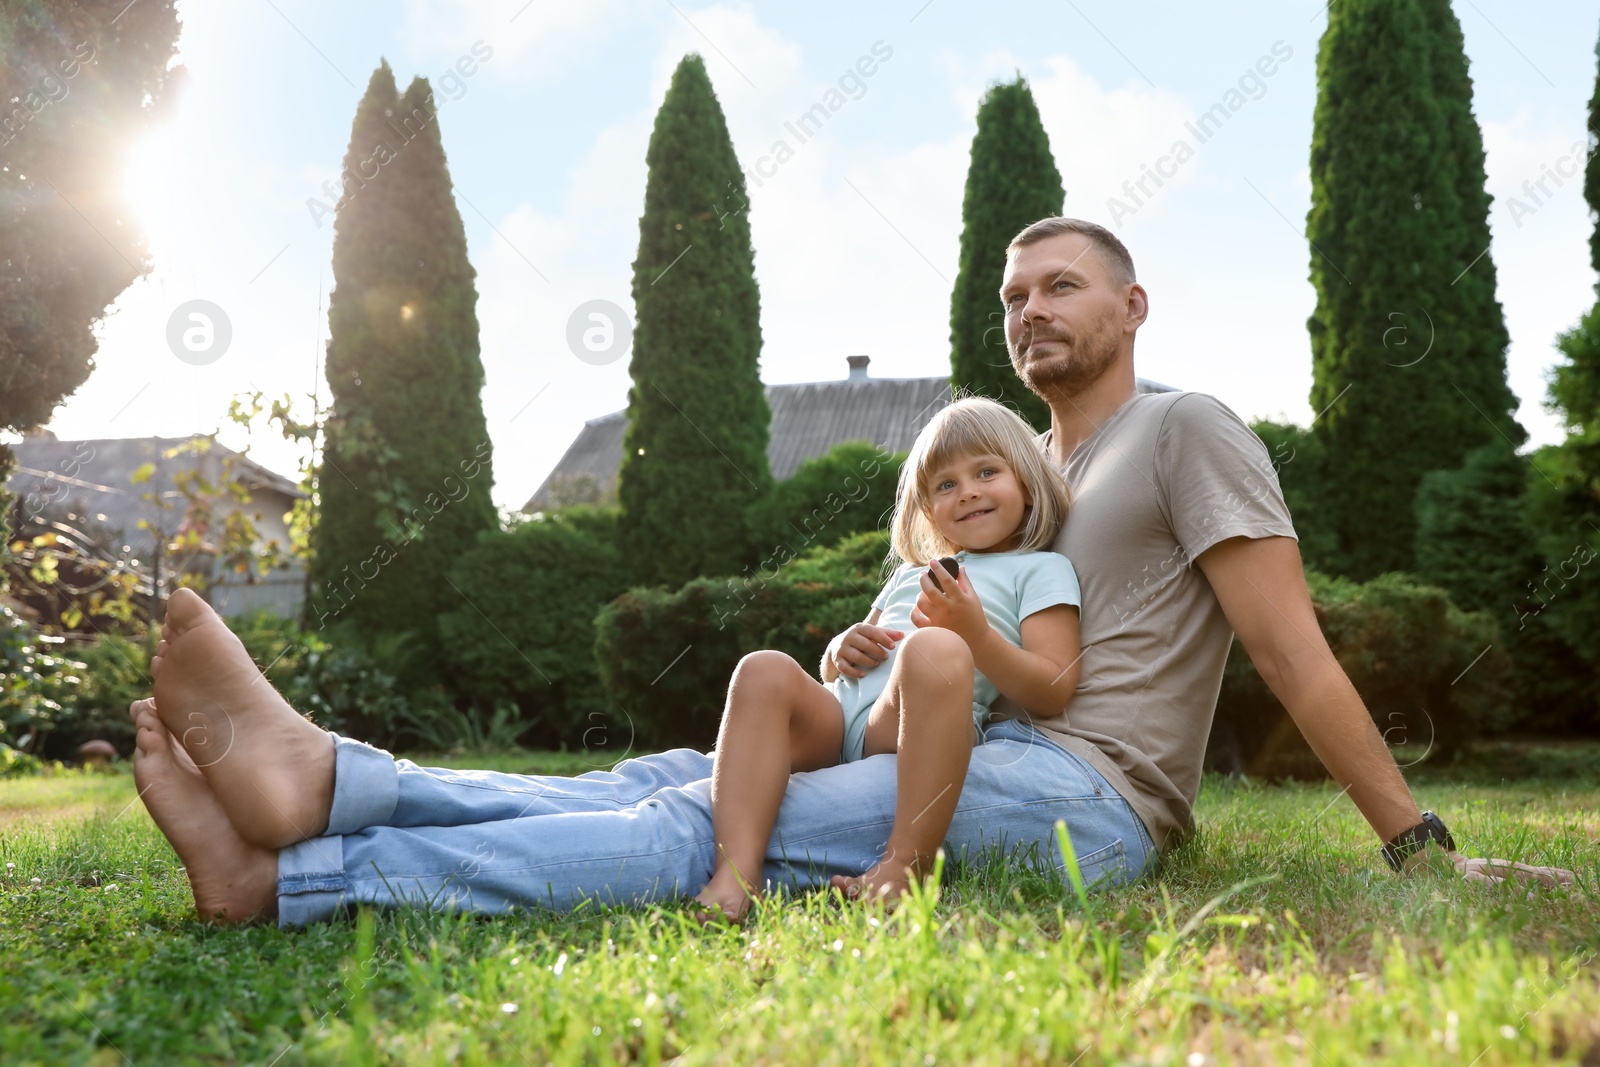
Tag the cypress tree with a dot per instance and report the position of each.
(406, 474)
(695, 454)
(1011, 182)
(1566, 501)
(1591, 173)
(1408, 342)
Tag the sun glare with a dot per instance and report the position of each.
(157, 187)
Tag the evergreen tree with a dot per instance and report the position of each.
(1011, 182)
(1591, 173)
(406, 474)
(1408, 342)
(1566, 502)
(82, 82)
(695, 455)
(1473, 538)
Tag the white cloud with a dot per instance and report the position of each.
(536, 39)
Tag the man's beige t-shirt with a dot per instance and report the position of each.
(1162, 480)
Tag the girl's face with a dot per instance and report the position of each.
(977, 502)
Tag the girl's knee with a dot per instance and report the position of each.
(767, 671)
(938, 647)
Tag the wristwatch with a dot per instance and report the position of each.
(1416, 839)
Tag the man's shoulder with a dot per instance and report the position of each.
(1193, 418)
(1190, 407)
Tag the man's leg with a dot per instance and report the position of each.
(282, 780)
(231, 879)
(833, 821)
(372, 788)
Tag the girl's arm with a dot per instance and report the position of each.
(1041, 676)
(859, 649)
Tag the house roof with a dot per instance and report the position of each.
(93, 478)
(808, 418)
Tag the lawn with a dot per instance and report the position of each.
(1277, 936)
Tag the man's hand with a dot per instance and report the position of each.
(955, 607)
(1487, 871)
(863, 647)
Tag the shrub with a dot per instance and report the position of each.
(115, 673)
(37, 680)
(14, 764)
(665, 657)
(1297, 457)
(1403, 645)
(847, 490)
(337, 682)
(1476, 541)
(524, 634)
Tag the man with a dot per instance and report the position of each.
(1181, 538)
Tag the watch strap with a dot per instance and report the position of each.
(1414, 840)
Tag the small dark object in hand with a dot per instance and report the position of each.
(950, 565)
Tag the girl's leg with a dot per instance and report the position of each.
(778, 720)
(932, 677)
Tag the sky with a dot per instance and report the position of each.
(856, 233)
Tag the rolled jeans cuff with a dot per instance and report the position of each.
(366, 787)
(311, 876)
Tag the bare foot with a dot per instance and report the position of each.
(724, 900)
(886, 880)
(232, 880)
(271, 769)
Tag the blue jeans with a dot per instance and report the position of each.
(484, 841)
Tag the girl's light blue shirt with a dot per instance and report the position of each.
(1010, 586)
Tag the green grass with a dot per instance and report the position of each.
(1277, 936)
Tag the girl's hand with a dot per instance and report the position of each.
(955, 607)
(863, 647)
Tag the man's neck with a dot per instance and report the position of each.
(1074, 418)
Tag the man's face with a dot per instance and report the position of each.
(1066, 314)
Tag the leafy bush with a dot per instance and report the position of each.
(845, 491)
(1403, 645)
(338, 682)
(115, 673)
(524, 634)
(1298, 458)
(665, 657)
(1476, 541)
(37, 681)
(14, 764)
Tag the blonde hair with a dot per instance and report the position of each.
(969, 426)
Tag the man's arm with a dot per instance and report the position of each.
(1261, 586)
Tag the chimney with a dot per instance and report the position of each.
(858, 368)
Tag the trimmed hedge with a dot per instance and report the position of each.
(847, 490)
(665, 656)
(524, 632)
(1404, 646)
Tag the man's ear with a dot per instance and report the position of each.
(1138, 308)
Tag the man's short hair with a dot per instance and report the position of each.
(1112, 251)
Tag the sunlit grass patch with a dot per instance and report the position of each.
(1278, 935)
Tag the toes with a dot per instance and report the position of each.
(151, 740)
(185, 610)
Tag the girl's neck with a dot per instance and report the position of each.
(1008, 545)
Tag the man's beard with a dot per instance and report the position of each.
(1069, 372)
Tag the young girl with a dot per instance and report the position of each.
(917, 676)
